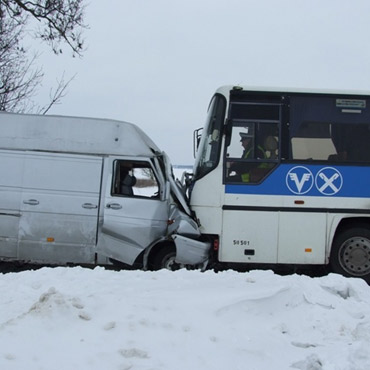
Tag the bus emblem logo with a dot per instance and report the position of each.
(299, 180)
(329, 181)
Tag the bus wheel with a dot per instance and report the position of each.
(350, 255)
(165, 259)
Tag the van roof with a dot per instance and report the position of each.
(73, 135)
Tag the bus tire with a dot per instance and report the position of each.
(165, 259)
(350, 254)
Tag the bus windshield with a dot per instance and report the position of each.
(209, 149)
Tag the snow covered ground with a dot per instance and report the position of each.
(77, 318)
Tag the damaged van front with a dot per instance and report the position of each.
(151, 227)
(183, 230)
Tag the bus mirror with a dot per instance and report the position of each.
(228, 129)
(196, 140)
(215, 135)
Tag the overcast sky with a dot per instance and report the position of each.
(156, 63)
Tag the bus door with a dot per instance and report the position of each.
(251, 210)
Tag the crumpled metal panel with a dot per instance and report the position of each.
(190, 251)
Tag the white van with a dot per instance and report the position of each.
(90, 191)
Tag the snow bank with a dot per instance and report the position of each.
(67, 318)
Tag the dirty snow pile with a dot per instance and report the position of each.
(76, 318)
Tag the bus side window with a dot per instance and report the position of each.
(332, 142)
(356, 146)
(252, 153)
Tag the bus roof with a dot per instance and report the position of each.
(73, 135)
(225, 90)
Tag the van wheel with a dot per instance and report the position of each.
(165, 259)
(350, 254)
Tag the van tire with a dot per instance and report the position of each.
(165, 259)
(350, 254)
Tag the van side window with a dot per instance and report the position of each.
(134, 179)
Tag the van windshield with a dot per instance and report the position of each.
(209, 149)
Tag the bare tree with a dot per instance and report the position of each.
(60, 22)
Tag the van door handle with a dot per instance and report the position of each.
(114, 206)
(89, 206)
(31, 202)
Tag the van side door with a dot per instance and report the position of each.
(59, 207)
(134, 208)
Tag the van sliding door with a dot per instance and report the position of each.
(59, 208)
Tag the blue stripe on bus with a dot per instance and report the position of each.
(310, 180)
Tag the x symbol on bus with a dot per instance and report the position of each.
(328, 182)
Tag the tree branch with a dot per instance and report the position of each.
(57, 95)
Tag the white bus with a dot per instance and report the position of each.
(282, 177)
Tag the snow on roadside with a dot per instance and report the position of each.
(66, 318)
